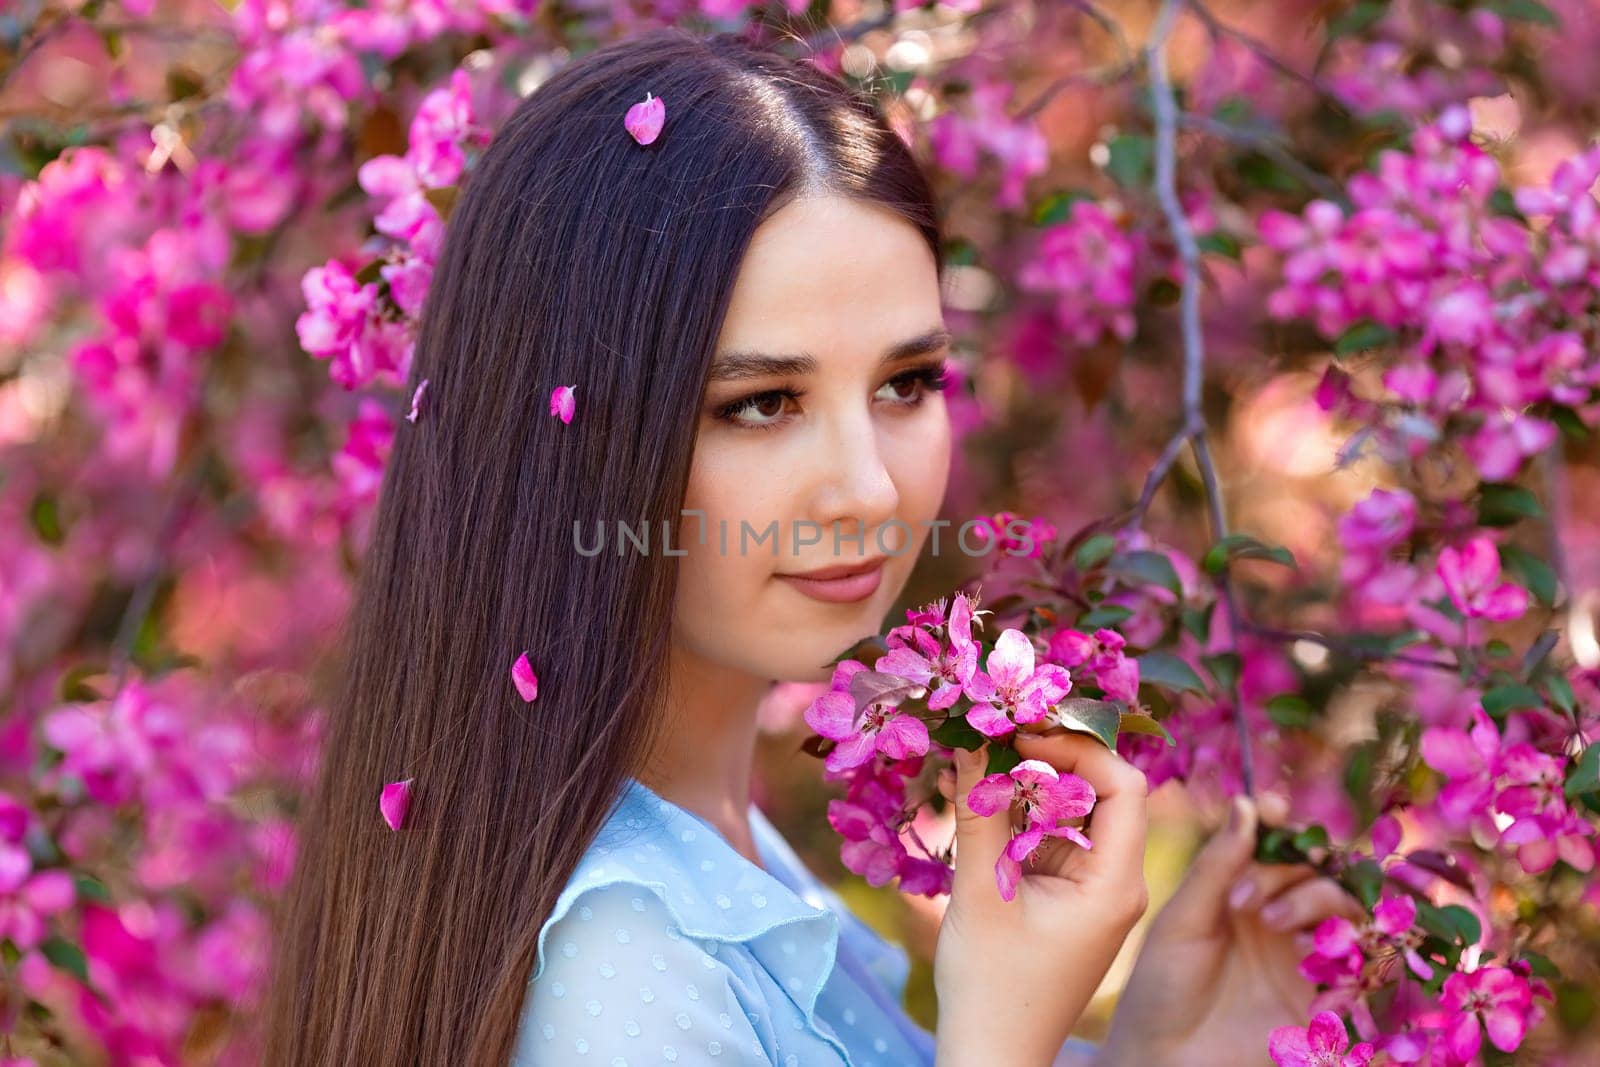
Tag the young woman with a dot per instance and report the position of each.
(748, 309)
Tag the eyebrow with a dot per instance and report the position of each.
(741, 366)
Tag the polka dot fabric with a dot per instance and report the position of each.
(668, 946)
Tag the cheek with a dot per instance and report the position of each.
(922, 469)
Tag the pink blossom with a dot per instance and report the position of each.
(1322, 1044)
(1013, 691)
(1491, 999)
(877, 728)
(1045, 796)
(1471, 577)
(945, 666)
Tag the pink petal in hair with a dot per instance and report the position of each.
(396, 797)
(416, 401)
(644, 119)
(563, 403)
(526, 681)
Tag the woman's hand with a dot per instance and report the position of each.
(1219, 968)
(1012, 977)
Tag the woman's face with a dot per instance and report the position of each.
(822, 443)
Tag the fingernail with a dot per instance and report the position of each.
(1241, 894)
(1236, 814)
(1275, 915)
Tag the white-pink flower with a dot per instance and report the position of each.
(1471, 576)
(1045, 796)
(1011, 690)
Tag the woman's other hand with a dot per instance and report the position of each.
(1219, 967)
(1013, 977)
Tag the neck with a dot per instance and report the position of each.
(703, 761)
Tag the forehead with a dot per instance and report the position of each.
(832, 275)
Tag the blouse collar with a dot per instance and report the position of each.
(713, 892)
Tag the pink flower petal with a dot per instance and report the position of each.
(396, 797)
(643, 120)
(991, 794)
(833, 715)
(563, 402)
(524, 679)
(416, 401)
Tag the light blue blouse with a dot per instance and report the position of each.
(669, 946)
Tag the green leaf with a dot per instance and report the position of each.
(1583, 776)
(1197, 621)
(1356, 18)
(1510, 697)
(1109, 615)
(1365, 879)
(1362, 336)
(1467, 928)
(1001, 759)
(1223, 244)
(69, 957)
(1312, 837)
(1224, 667)
(1057, 207)
(1131, 154)
(1291, 710)
(1098, 718)
(1243, 546)
(1524, 11)
(45, 515)
(1170, 672)
(1137, 722)
(1560, 692)
(1144, 567)
(1505, 505)
(1534, 573)
(92, 888)
(1094, 551)
(957, 732)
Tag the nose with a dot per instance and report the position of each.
(851, 485)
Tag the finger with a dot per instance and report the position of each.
(1273, 809)
(1263, 881)
(1200, 902)
(1119, 820)
(980, 839)
(1308, 903)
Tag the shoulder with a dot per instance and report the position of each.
(618, 981)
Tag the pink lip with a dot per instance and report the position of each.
(843, 584)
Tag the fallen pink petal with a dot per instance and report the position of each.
(524, 679)
(644, 119)
(563, 402)
(416, 401)
(394, 801)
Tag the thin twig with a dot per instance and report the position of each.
(1126, 63)
(1164, 104)
(1348, 648)
(1263, 52)
(1272, 147)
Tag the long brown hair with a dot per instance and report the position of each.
(574, 256)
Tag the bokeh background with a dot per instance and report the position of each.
(208, 293)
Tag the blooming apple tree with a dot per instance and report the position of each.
(1312, 286)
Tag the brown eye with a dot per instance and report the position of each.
(769, 406)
